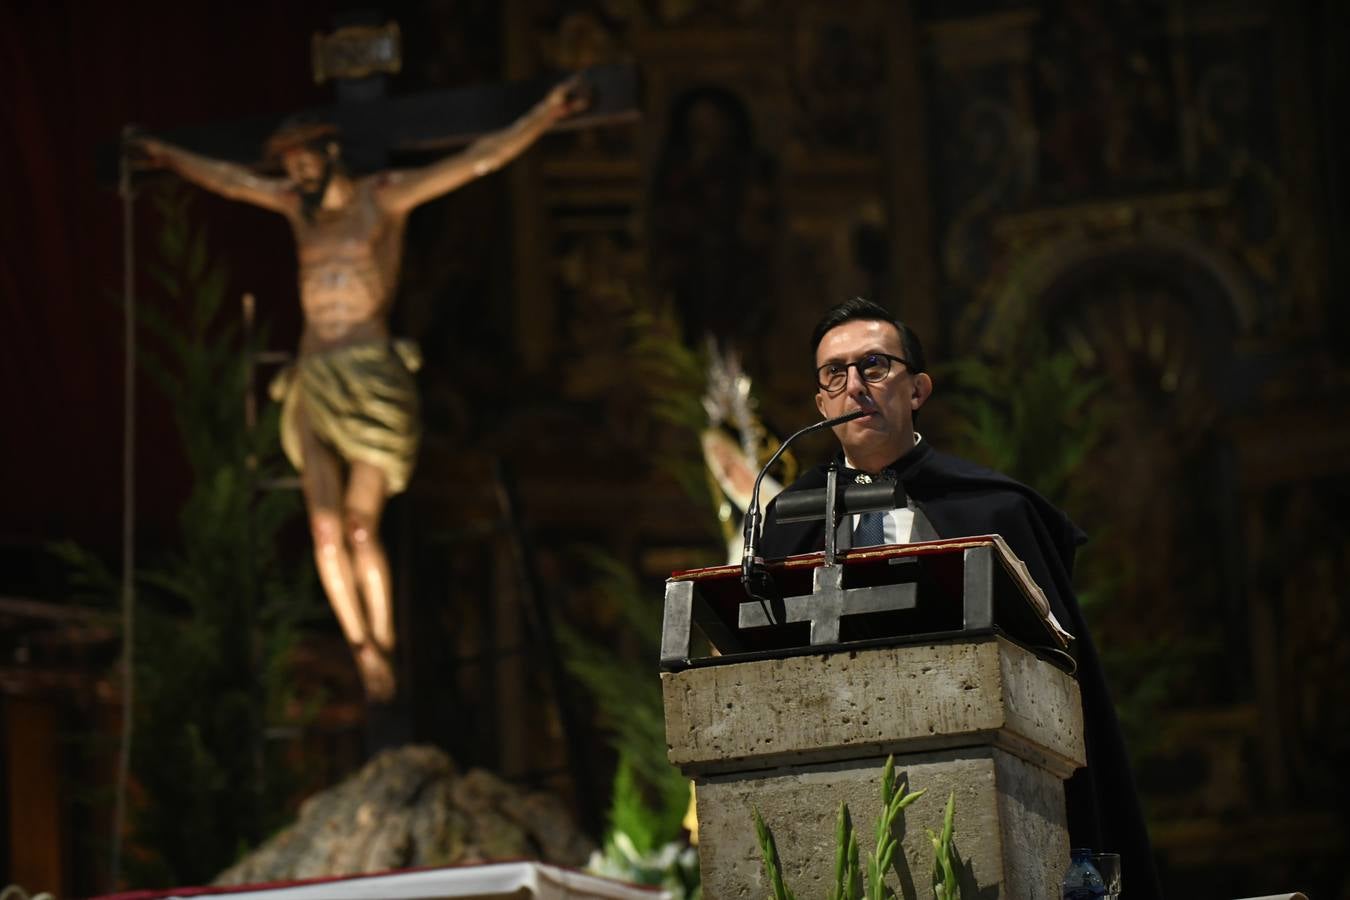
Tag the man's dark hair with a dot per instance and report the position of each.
(856, 308)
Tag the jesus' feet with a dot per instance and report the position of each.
(377, 672)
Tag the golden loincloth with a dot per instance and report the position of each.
(360, 400)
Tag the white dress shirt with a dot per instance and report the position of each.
(902, 525)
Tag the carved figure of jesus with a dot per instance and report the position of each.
(350, 414)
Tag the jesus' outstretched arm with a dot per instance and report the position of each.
(219, 176)
(404, 190)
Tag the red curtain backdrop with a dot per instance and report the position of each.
(72, 74)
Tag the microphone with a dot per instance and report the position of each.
(752, 514)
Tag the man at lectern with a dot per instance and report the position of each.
(865, 359)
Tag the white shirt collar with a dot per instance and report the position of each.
(848, 462)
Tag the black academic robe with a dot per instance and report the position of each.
(961, 498)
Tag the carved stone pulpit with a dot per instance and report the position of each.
(943, 654)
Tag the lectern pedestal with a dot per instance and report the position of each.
(793, 731)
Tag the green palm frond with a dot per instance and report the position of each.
(215, 615)
(1036, 419)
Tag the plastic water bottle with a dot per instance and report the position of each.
(1082, 881)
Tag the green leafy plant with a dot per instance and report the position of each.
(1036, 419)
(643, 840)
(644, 837)
(216, 613)
(848, 883)
(628, 699)
(637, 846)
(945, 885)
(773, 867)
(847, 875)
(893, 801)
(674, 377)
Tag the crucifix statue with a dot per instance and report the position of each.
(350, 411)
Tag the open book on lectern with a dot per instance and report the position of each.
(1012, 563)
(889, 594)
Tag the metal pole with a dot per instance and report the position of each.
(540, 618)
(128, 508)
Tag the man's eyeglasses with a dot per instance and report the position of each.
(832, 377)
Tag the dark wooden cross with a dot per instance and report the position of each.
(377, 129)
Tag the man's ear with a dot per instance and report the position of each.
(923, 389)
(820, 404)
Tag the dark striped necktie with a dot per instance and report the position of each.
(869, 531)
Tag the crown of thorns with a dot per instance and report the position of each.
(298, 136)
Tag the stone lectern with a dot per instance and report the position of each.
(943, 653)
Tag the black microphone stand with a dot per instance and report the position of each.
(750, 567)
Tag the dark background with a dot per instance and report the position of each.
(1157, 186)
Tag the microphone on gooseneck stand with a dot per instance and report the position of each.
(753, 526)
